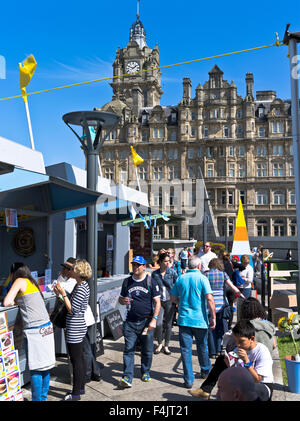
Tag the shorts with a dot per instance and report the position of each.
(183, 263)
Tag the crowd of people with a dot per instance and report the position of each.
(198, 292)
(203, 289)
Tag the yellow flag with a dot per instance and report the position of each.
(27, 68)
(137, 160)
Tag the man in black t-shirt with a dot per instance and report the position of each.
(139, 293)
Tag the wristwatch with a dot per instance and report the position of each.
(155, 317)
(247, 365)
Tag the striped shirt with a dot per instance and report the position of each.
(75, 326)
(216, 279)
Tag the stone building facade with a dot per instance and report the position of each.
(241, 146)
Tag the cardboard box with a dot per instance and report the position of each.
(283, 301)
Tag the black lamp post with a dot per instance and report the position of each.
(101, 120)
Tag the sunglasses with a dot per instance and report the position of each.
(137, 264)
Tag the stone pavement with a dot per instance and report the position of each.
(166, 378)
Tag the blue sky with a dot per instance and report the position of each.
(73, 45)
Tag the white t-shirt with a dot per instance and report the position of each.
(205, 259)
(248, 275)
(261, 361)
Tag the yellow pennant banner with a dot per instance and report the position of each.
(137, 160)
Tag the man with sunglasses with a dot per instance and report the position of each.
(206, 257)
(140, 294)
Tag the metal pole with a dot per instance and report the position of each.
(296, 139)
(92, 243)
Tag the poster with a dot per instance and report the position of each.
(11, 218)
(109, 242)
(3, 322)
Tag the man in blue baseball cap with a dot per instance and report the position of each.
(141, 295)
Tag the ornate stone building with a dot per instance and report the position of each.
(241, 145)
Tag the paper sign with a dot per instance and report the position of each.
(6, 343)
(11, 218)
(3, 322)
(3, 389)
(34, 275)
(48, 277)
(13, 383)
(11, 362)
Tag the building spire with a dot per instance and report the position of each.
(137, 31)
(138, 9)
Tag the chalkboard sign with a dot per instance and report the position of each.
(115, 323)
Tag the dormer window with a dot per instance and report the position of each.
(261, 112)
(173, 117)
(144, 118)
(277, 111)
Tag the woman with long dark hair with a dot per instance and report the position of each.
(38, 330)
(76, 326)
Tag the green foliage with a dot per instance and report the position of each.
(215, 247)
(285, 347)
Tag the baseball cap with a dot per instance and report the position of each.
(68, 263)
(139, 259)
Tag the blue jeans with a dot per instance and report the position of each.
(186, 335)
(40, 381)
(132, 331)
(215, 336)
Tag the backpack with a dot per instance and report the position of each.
(237, 279)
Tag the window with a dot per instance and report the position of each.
(239, 113)
(214, 114)
(157, 198)
(109, 155)
(221, 151)
(261, 150)
(242, 150)
(278, 198)
(239, 130)
(172, 198)
(123, 154)
(109, 173)
(221, 169)
(157, 154)
(277, 150)
(278, 228)
(186, 129)
(230, 227)
(157, 133)
(173, 117)
(200, 152)
(190, 153)
(173, 231)
(261, 132)
(191, 171)
(242, 170)
(223, 197)
(278, 170)
(158, 173)
(205, 132)
(293, 227)
(173, 135)
(210, 152)
(143, 173)
(210, 170)
(145, 118)
(277, 111)
(123, 175)
(230, 197)
(261, 170)
(231, 150)
(113, 134)
(262, 228)
(261, 198)
(193, 131)
(173, 173)
(261, 112)
(277, 127)
(173, 153)
(144, 136)
(292, 197)
(242, 196)
(158, 232)
(291, 169)
(226, 131)
(231, 170)
(193, 116)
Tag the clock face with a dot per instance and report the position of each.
(132, 67)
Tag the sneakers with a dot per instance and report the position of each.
(125, 382)
(146, 378)
(70, 397)
(199, 393)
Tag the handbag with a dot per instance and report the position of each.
(59, 314)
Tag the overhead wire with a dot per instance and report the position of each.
(276, 44)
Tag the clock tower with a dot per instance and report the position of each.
(137, 89)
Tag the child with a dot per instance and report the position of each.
(252, 355)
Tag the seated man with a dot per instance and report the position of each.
(237, 384)
(252, 355)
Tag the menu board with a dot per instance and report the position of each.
(10, 375)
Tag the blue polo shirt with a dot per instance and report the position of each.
(191, 289)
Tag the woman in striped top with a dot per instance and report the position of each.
(217, 278)
(75, 326)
